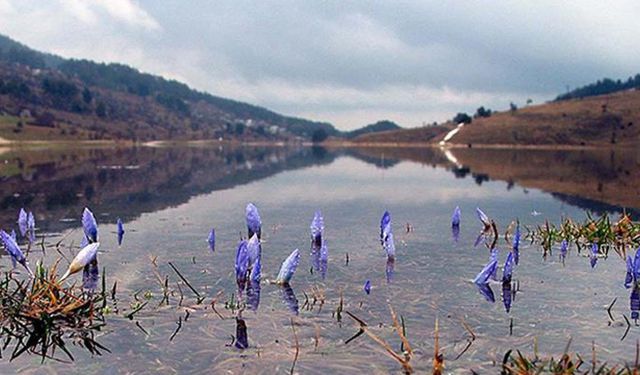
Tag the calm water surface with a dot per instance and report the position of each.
(169, 199)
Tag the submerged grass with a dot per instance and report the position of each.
(618, 235)
(38, 315)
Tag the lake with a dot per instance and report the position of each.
(170, 197)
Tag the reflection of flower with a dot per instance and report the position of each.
(242, 340)
(507, 269)
(486, 291)
(289, 298)
(516, 244)
(594, 255)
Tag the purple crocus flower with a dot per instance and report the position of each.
(564, 245)
(494, 257)
(385, 226)
(254, 224)
(455, 218)
(489, 270)
(288, 268)
(594, 254)
(628, 279)
(317, 231)
(633, 270)
(89, 226)
(367, 286)
(211, 240)
(516, 244)
(486, 222)
(483, 218)
(254, 250)
(120, 230)
(507, 269)
(11, 247)
(242, 263)
(31, 227)
(636, 265)
(22, 222)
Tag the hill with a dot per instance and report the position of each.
(114, 101)
(604, 120)
(425, 134)
(601, 87)
(380, 126)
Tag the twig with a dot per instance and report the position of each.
(200, 298)
(295, 358)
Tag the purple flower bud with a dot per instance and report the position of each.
(594, 255)
(367, 286)
(629, 276)
(385, 226)
(120, 229)
(516, 244)
(317, 231)
(288, 268)
(486, 273)
(242, 263)
(11, 247)
(254, 224)
(483, 217)
(89, 226)
(507, 270)
(22, 222)
(455, 218)
(255, 254)
(31, 227)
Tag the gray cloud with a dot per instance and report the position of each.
(349, 62)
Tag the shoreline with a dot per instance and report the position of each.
(9, 144)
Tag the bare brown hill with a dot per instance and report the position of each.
(604, 120)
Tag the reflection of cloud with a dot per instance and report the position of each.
(350, 179)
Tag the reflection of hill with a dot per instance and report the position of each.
(600, 180)
(58, 183)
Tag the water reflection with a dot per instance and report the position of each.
(486, 291)
(634, 303)
(242, 340)
(253, 295)
(390, 269)
(133, 180)
(507, 296)
(289, 298)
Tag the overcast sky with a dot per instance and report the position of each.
(349, 63)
